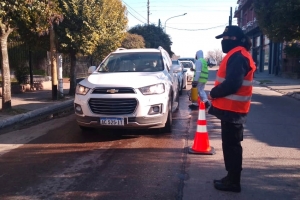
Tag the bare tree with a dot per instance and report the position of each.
(219, 55)
(216, 54)
(210, 54)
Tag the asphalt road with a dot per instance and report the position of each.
(271, 156)
(59, 161)
(55, 160)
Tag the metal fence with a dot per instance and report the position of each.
(20, 55)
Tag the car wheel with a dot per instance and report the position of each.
(168, 126)
(180, 91)
(185, 83)
(177, 100)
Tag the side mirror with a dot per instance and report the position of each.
(192, 69)
(91, 69)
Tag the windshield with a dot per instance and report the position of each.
(133, 62)
(186, 64)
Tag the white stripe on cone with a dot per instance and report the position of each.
(201, 129)
(201, 114)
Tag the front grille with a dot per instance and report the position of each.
(113, 91)
(112, 106)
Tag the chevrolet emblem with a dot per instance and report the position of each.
(112, 91)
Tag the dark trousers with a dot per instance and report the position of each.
(232, 135)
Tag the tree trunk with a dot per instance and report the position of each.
(53, 64)
(6, 85)
(73, 73)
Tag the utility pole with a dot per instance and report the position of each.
(230, 17)
(148, 12)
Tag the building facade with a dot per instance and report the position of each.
(266, 54)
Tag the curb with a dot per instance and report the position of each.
(38, 113)
(294, 95)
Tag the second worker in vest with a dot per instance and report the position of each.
(231, 98)
(201, 76)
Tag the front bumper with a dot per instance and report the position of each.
(129, 122)
(142, 116)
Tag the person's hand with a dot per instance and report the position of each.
(209, 97)
(194, 83)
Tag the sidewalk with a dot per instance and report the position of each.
(32, 104)
(289, 87)
(40, 101)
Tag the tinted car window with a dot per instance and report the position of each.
(187, 64)
(211, 61)
(133, 62)
(175, 62)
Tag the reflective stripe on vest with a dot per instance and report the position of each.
(204, 71)
(245, 82)
(240, 101)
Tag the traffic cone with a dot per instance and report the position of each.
(201, 141)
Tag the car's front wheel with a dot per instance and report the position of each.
(181, 88)
(168, 126)
(185, 83)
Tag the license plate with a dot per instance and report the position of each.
(112, 121)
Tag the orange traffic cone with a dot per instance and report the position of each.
(201, 141)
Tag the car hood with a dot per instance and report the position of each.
(124, 79)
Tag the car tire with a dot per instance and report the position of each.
(168, 125)
(185, 84)
(181, 88)
(177, 100)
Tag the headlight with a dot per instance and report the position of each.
(81, 89)
(153, 89)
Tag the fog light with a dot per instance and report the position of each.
(78, 109)
(155, 109)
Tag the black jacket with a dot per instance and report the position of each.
(237, 67)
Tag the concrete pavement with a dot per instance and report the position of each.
(33, 104)
(286, 86)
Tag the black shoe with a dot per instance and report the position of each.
(194, 107)
(228, 186)
(222, 180)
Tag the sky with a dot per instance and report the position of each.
(189, 33)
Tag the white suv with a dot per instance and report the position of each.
(188, 65)
(131, 88)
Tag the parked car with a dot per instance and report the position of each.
(188, 65)
(131, 88)
(180, 72)
(211, 62)
(188, 58)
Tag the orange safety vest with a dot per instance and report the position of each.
(240, 101)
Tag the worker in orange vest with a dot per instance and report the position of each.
(230, 98)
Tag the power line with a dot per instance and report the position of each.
(135, 17)
(133, 10)
(203, 29)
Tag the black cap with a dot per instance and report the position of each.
(232, 31)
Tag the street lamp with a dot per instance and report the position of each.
(171, 18)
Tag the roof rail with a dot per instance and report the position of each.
(120, 49)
